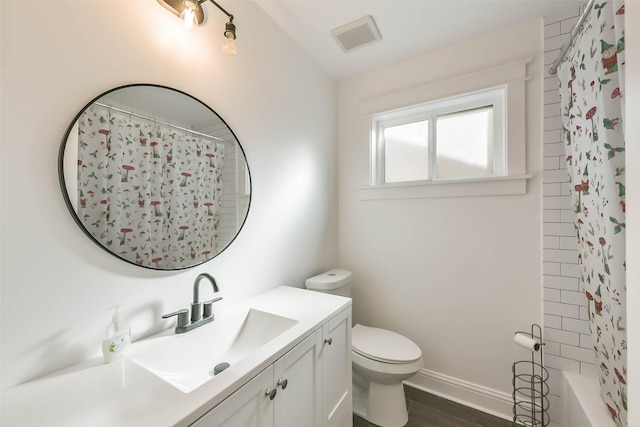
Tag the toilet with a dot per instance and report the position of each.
(381, 360)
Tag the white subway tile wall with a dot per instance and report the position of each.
(566, 330)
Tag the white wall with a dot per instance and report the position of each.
(456, 275)
(56, 56)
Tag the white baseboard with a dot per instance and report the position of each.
(475, 396)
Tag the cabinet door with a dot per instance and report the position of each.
(336, 371)
(247, 407)
(298, 380)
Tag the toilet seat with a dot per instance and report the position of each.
(383, 346)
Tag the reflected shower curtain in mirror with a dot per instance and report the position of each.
(591, 90)
(148, 191)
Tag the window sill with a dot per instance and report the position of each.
(502, 186)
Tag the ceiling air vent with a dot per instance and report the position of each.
(356, 34)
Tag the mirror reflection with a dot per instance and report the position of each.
(155, 177)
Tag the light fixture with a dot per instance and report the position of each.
(192, 13)
(229, 46)
(188, 14)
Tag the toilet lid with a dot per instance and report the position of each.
(384, 346)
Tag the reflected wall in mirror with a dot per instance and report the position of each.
(155, 177)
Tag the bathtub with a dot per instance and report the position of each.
(583, 406)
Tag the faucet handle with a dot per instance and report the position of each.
(183, 317)
(207, 309)
(196, 311)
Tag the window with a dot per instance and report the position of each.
(458, 138)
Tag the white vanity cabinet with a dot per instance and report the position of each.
(308, 386)
(248, 406)
(298, 379)
(336, 371)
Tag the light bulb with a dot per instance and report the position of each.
(229, 47)
(188, 15)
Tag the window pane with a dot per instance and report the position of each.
(406, 152)
(464, 144)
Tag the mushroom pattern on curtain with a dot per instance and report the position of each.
(149, 192)
(591, 91)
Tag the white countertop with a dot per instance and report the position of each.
(123, 394)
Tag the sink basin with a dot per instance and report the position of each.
(189, 360)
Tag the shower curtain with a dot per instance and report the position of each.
(146, 191)
(591, 90)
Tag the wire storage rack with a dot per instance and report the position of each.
(530, 388)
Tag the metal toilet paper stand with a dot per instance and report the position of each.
(530, 388)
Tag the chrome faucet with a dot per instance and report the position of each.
(201, 312)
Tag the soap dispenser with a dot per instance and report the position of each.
(117, 338)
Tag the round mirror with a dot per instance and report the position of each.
(155, 177)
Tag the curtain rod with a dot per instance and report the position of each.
(158, 121)
(565, 47)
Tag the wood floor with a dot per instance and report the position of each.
(427, 410)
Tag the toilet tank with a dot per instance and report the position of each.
(336, 282)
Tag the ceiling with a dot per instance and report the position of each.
(408, 27)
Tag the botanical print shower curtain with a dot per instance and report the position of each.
(591, 88)
(148, 192)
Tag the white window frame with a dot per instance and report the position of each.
(494, 97)
(512, 77)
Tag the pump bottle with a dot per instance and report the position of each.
(117, 338)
